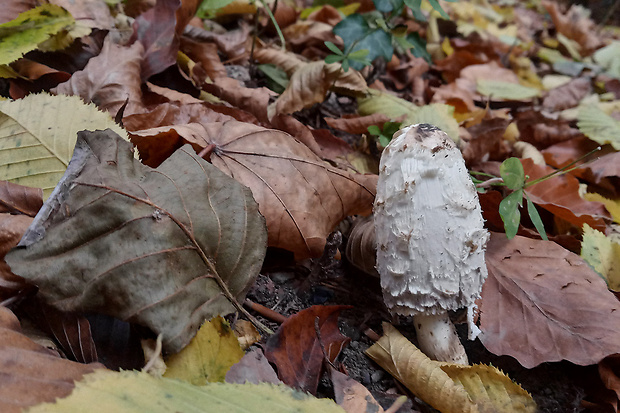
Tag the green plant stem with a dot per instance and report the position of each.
(564, 170)
(275, 23)
(490, 182)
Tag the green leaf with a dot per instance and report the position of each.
(165, 248)
(535, 217)
(334, 48)
(278, 80)
(374, 130)
(505, 90)
(599, 126)
(416, 6)
(208, 7)
(511, 171)
(359, 55)
(438, 7)
(419, 49)
(332, 58)
(603, 255)
(345, 64)
(509, 211)
(107, 391)
(31, 28)
(357, 35)
(38, 135)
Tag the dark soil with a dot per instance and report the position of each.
(287, 288)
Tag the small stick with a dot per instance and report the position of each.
(268, 313)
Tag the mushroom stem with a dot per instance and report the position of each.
(437, 338)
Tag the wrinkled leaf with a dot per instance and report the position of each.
(166, 247)
(351, 395)
(450, 388)
(542, 303)
(599, 126)
(131, 391)
(39, 133)
(31, 373)
(302, 197)
(297, 351)
(18, 199)
(208, 356)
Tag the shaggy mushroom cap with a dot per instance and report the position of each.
(429, 227)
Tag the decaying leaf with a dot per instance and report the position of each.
(39, 133)
(351, 395)
(252, 368)
(302, 197)
(449, 388)
(542, 303)
(19, 199)
(603, 254)
(298, 352)
(208, 356)
(32, 374)
(131, 391)
(166, 247)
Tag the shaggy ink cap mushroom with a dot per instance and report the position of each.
(429, 227)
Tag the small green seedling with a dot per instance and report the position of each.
(345, 59)
(384, 135)
(514, 178)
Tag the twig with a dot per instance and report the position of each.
(396, 405)
(268, 313)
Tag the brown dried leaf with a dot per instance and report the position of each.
(568, 95)
(542, 303)
(297, 351)
(252, 368)
(12, 228)
(575, 25)
(156, 30)
(91, 13)
(351, 395)
(361, 247)
(486, 141)
(302, 197)
(254, 101)
(32, 374)
(19, 199)
(560, 196)
(109, 79)
(206, 54)
(542, 131)
(357, 124)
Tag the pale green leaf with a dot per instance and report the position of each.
(599, 126)
(603, 255)
(505, 90)
(136, 392)
(38, 133)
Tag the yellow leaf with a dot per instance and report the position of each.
(449, 388)
(108, 391)
(38, 134)
(612, 206)
(602, 254)
(208, 356)
(30, 28)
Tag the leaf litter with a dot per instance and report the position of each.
(192, 82)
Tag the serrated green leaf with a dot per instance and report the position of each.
(107, 391)
(505, 90)
(38, 133)
(509, 211)
(334, 48)
(165, 248)
(30, 28)
(599, 126)
(535, 217)
(511, 171)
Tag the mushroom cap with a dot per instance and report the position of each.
(429, 227)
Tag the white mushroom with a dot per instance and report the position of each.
(430, 236)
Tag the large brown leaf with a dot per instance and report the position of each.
(109, 79)
(166, 248)
(542, 303)
(298, 351)
(31, 373)
(302, 197)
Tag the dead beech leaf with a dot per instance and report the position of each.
(165, 248)
(252, 368)
(287, 61)
(12, 228)
(423, 376)
(542, 303)
(575, 25)
(109, 79)
(450, 388)
(19, 199)
(568, 95)
(560, 196)
(206, 54)
(351, 395)
(357, 124)
(361, 247)
(296, 350)
(156, 30)
(32, 374)
(254, 101)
